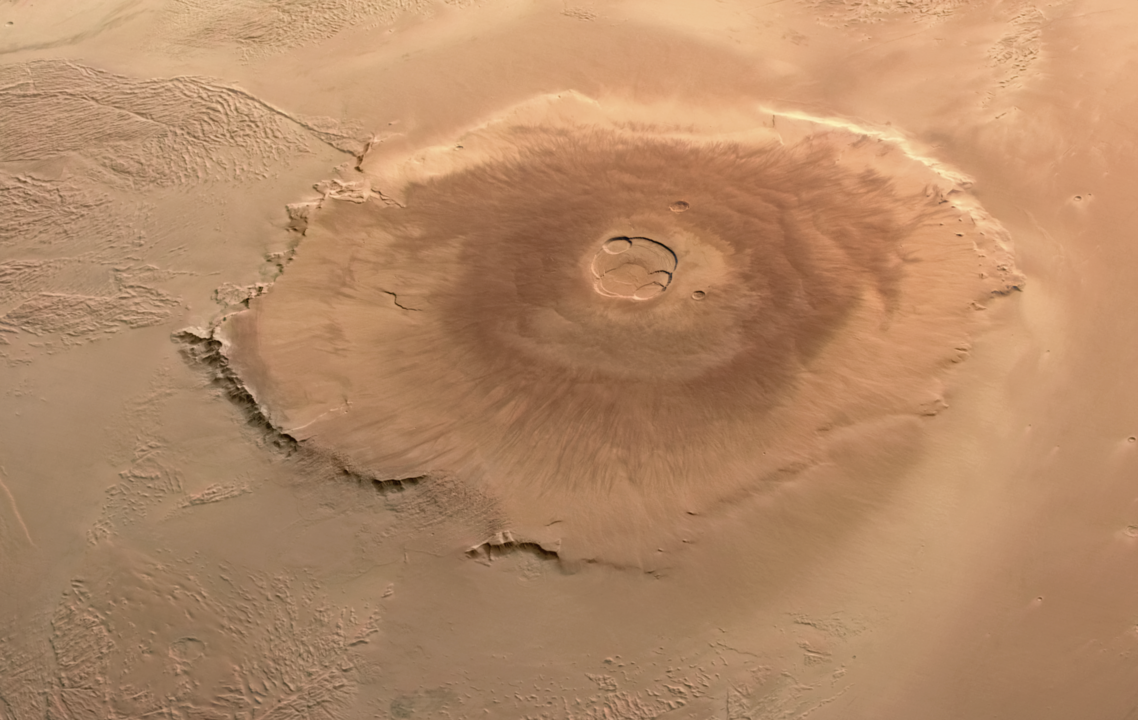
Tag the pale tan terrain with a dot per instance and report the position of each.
(549, 360)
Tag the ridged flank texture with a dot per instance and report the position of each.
(463, 332)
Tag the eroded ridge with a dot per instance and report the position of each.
(612, 362)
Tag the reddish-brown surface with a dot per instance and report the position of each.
(488, 359)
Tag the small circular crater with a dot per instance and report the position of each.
(698, 295)
(616, 246)
(1132, 439)
(679, 206)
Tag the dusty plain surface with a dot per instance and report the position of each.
(526, 359)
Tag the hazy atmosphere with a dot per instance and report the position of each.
(425, 359)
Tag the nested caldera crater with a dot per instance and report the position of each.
(635, 268)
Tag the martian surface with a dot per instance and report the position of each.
(558, 360)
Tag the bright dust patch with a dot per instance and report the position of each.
(819, 281)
